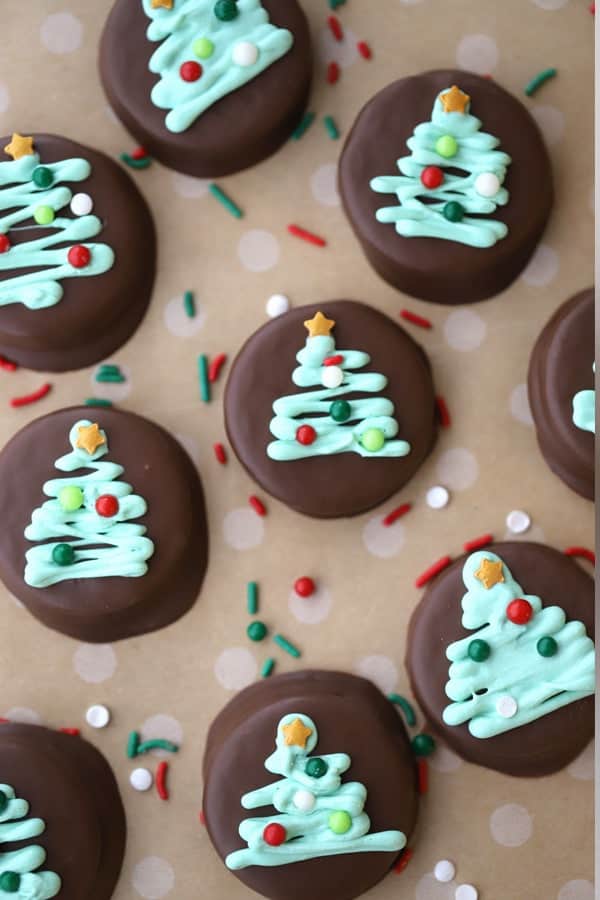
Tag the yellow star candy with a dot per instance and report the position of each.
(489, 573)
(455, 100)
(319, 325)
(296, 733)
(162, 4)
(89, 438)
(19, 146)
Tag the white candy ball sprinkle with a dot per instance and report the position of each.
(245, 53)
(466, 892)
(141, 779)
(444, 871)
(98, 716)
(518, 521)
(332, 377)
(507, 706)
(277, 305)
(487, 184)
(82, 205)
(437, 497)
(304, 801)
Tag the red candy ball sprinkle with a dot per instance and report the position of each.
(304, 586)
(432, 177)
(519, 611)
(4, 243)
(79, 256)
(274, 834)
(306, 435)
(107, 505)
(190, 70)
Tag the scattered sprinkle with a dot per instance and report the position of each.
(423, 745)
(267, 667)
(7, 365)
(161, 780)
(141, 779)
(332, 129)
(437, 497)
(466, 892)
(203, 377)
(189, 304)
(518, 521)
(335, 26)
(257, 505)
(307, 236)
(333, 73)
(108, 372)
(202, 817)
(214, 370)
(135, 162)
(286, 645)
(257, 631)
(477, 543)
(139, 153)
(538, 80)
(226, 201)
(421, 321)
(74, 732)
(252, 597)
(220, 453)
(277, 305)
(333, 4)
(422, 775)
(583, 553)
(364, 50)
(396, 514)
(304, 125)
(304, 586)
(133, 742)
(443, 414)
(444, 871)
(157, 744)
(406, 707)
(97, 401)
(405, 858)
(433, 570)
(98, 716)
(592, 8)
(15, 402)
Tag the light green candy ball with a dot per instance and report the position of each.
(44, 215)
(203, 48)
(372, 439)
(446, 146)
(340, 822)
(70, 498)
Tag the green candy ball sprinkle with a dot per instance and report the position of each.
(63, 555)
(10, 882)
(453, 211)
(316, 767)
(42, 177)
(70, 498)
(446, 146)
(547, 646)
(226, 10)
(340, 410)
(44, 215)
(423, 745)
(340, 822)
(3, 801)
(372, 439)
(256, 631)
(203, 48)
(479, 650)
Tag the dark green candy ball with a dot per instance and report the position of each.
(340, 410)
(42, 177)
(226, 10)
(256, 631)
(63, 555)
(547, 646)
(3, 801)
(423, 745)
(316, 767)
(10, 882)
(454, 211)
(479, 650)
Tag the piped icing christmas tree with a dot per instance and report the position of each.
(19, 878)
(320, 422)
(208, 50)
(524, 662)
(584, 409)
(442, 204)
(318, 816)
(34, 196)
(88, 516)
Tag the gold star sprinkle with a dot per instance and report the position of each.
(455, 100)
(296, 734)
(19, 146)
(89, 438)
(319, 325)
(162, 4)
(489, 573)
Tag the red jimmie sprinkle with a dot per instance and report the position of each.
(478, 542)
(423, 776)
(364, 50)
(433, 570)
(421, 321)
(31, 398)
(336, 360)
(582, 552)
(7, 365)
(307, 236)
(220, 453)
(73, 731)
(592, 8)
(161, 780)
(4, 721)
(138, 153)
(333, 73)
(396, 514)
(335, 26)
(443, 414)
(214, 370)
(4, 244)
(257, 505)
(404, 860)
(202, 817)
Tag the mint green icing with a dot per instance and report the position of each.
(476, 155)
(308, 835)
(539, 685)
(584, 409)
(187, 22)
(24, 861)
(312, 408)
(120, 547)
(19, 197)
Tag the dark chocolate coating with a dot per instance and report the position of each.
(560, 366)
(238, 131)
(351, 717)
(431, 268)
(97, 314)
(68, 784)
(541, 747)
(344, 484)
(98, 610)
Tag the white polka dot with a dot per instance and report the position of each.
(551, 122)
(382, 540)
(243, 529)
(23, 714)
(437, 497)
(95, 663)
(550, 4)
(235, 668)
(109, 390)
(429, 889)
(576, 890)
(311, 610)
(98, 716)
(177, 320)
(245, 53)
(535, 533)
(511, 825)
(378, 669)
(258, 250)
(190, 445)
(61, 33)
(277, 305)
(542, 267)
(444, 760)
(458, 469)
(582, 768)
(477, 53)
(344, 53)
(189, 187)
(162, 726)
(4, 98)
(518, 521)
(141, 779)
(507, 706)
(323, 184)
(444, 871)
(464, 330)
(153, 878)
(519, 405)
(466, 892)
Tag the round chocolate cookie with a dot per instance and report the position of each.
(60, 802)
(561, 392)
(515, 694)
(207, 87)
(315, 771)
(351, 428)
(453, 212)
(77, 253)
(105, 532)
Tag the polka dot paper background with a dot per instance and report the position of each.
(513, 839)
